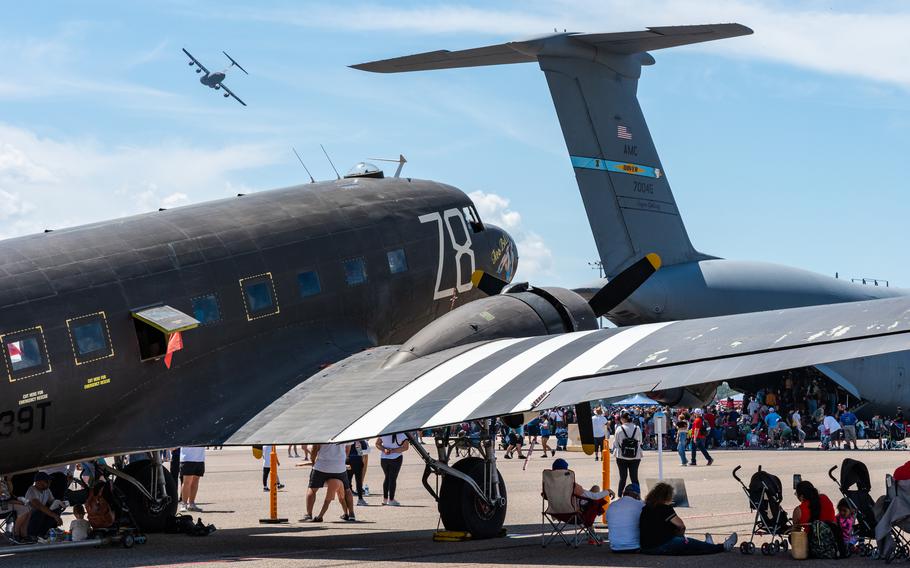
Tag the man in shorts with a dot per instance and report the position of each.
(192, 468)
(848, 421)
(330, 470)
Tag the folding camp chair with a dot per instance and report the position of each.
(562, 510)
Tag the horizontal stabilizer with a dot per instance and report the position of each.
(528, 50)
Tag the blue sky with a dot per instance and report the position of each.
(786, 146)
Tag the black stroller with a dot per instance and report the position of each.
(855, 486)
(765, 494)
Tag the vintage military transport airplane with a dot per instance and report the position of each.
(264, 289)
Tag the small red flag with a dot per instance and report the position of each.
(175, 343)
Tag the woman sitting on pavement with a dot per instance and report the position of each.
(663, 532)
(815, 507)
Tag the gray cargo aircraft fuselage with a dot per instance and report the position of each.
(283, 282)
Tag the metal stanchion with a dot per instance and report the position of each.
(273, 490)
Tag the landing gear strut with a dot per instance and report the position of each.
(149, 491)
(472, 493)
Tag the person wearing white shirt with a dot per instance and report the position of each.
(832, 426)
(599, 424)
(267, 468)
(330, 470)
(192, 468)
(622, 520)
(391, 447)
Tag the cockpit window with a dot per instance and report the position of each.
(473, 219)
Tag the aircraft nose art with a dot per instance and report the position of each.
(502, 253)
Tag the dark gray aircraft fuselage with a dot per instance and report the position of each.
(388, 255)
(212, 80)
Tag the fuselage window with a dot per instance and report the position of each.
(25, 353)
(308, 283)
(206, 309)
(398, 262)
(259, 296)
(91, 338)
(355, 271)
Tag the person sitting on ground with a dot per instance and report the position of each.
(663, 532)
(622, 519)
(816, 513)
(79, 527)
(591, 502)
(40, 517)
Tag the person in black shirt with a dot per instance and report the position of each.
(663, 532)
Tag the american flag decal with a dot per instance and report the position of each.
(623, 132)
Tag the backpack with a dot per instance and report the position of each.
(821, 541)
(98, 510)
(628, 448)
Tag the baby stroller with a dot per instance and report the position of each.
(893, 513)
(765, 494)
(855, 473)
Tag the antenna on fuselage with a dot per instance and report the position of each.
(400, 161)
(304, 165)
(337, 176)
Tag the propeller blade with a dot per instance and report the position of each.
(625, 283)
(486, 283)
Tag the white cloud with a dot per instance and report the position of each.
(863, 40)
(70, 182)
(535, 259)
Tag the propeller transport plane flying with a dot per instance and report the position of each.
(215, 80)
(330, 312)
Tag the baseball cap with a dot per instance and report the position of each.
(771, 409)
(560, 463)
(42, 476)
(632, 488)
(699, 411)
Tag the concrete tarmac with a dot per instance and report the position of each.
(232, 499)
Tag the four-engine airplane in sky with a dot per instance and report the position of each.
(216, 80)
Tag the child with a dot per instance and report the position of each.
(79, 527)
(682, 433)
(846, 518)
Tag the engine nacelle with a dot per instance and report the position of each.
(520, 311)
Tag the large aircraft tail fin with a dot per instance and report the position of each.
(593, 79)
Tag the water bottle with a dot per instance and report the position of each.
(52, 535)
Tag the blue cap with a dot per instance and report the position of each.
(560, 463)
(633, 488)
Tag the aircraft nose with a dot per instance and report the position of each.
(498, 254)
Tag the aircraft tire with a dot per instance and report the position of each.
(461, 509)
(148, 521)
(450, 491)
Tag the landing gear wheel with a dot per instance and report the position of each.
(462, 510)
(148, 518)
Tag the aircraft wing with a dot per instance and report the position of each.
(230, 92)
(196, 61)
(357, 398)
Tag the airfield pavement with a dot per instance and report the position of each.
(232, 498)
